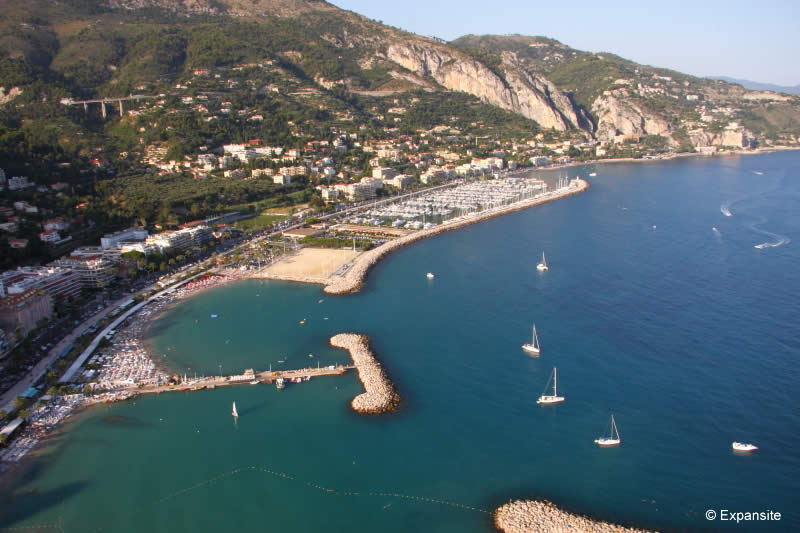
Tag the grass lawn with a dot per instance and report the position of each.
(258, 222)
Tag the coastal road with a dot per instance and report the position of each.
(36, 373)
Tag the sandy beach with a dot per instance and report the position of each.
(308, 265)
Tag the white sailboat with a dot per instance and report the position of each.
(548, 399)
(613, 438)
(533, 347)
(234, 413)
(541, 267)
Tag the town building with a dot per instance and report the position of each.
(94, 272)
(53, 280)
(124, 236)
(22, 312)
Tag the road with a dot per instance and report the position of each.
(36, 373)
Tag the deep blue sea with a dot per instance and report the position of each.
(687, 334)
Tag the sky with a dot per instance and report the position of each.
(756, 40)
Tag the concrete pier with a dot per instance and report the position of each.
(266, 376)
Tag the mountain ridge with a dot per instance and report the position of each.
(598, 95)
(759, 86)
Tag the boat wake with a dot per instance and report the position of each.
(781, 241)
(776, 239)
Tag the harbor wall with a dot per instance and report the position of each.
(380, 395)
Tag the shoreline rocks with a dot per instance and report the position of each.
(380, 396)
(353, 280)
(531, 516)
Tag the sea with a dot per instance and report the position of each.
(671, 302)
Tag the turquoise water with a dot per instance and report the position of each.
(687, 335)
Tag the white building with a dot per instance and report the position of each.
(400, 181)
(49, 237)
(19, 182)
(129, 235)
(383, 173)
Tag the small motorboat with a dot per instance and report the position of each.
(743, 447)
(430, 275)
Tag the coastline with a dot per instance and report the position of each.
(682, 155)
(354, 278)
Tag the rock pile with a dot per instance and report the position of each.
(353, 280)
(527, 516)
(380, 396)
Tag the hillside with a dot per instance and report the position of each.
(627, 99)
(295, 77)
(758, 86)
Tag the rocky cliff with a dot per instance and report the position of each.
(530, 95)
(617, 117)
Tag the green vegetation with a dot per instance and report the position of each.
(328, 242)
(258, 222)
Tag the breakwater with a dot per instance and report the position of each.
(354, 278)
(528, 516)
(380, 395)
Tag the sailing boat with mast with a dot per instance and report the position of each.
(533, 347)
(613, 436)
(234, 413)
(541, 267)
(549, 399)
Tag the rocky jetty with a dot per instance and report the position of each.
(528, 516)
(380, 396)
(353, 280)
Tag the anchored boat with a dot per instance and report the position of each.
(549, 399)
(613, 436)
(533, 347)
(541, 267)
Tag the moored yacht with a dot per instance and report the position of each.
(533, 347)
(549, 399)
(541, 267)
(613, 436)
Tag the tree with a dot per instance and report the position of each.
(87, 389)
(20, 402)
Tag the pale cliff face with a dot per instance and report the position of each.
(619, 117)
(531, 96)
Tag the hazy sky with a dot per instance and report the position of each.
(755, 39)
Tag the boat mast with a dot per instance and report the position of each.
(555, 381)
